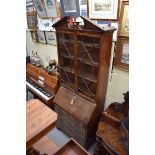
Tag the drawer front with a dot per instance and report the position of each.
(71, 132)
(69, 122)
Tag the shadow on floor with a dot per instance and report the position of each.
(60, 138)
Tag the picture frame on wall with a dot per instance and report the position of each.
(103, 9)
(40, 8)
(34, 35)
(124, 19)
(32, 21)
(29, 6)
(51, 8)
(51, 37)
(41, 36)
(122, 53)
(70, 8)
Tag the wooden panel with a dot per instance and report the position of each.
(71, 148)
(39, 120)
(45, 145)
(79, 108)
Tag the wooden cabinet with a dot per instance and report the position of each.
(84, 57)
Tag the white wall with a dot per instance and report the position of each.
(118, 79)
(43, 50)
(119, 83)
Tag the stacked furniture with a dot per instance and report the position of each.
(84, 52)
(113, 129)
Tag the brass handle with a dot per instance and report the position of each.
(73, 99)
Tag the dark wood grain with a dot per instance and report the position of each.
(112, 137)
(84, 53)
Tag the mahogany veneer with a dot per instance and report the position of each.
(84, 56)
(112, 136)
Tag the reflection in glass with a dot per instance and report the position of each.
(69, 6)
(125, 54)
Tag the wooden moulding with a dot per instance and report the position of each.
(71, 148)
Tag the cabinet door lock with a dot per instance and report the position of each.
(73, 99)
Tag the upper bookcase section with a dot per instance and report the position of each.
(83, 23)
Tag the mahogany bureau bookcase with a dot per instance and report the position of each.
(84, 56)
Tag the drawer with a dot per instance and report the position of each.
(69, 130)
(70, 120)
(79, 140)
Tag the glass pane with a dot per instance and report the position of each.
(88, 63)
(66, 59)
(125, 54)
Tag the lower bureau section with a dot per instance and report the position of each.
(74, 128)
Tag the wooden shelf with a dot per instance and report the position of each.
(68, 84)
(85, 92)
(66, 41)
(68, 69)
(67, 56)
(89, 44)
(87, 76)
(88, 62)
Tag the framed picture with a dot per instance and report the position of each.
(51, 37)
(29, 6)
(45, 24)
(32, 20)
(124, 19)
(103, 9)
(40, 8)
(51, 8)
(122, 53)
(83, 8)
(41, 36)
(34, 35)
(70, 7)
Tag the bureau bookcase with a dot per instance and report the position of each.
(84, 57)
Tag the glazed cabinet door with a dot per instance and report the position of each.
(88, 52)
(66, 58)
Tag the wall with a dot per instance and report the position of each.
(118, 84)
(43, 50)
(118, 80)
